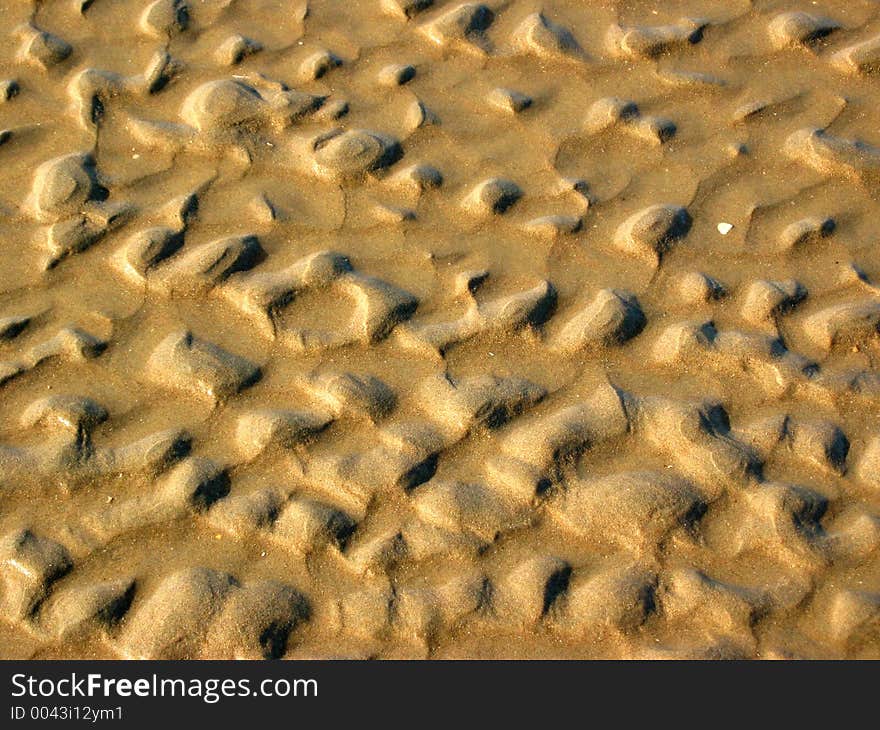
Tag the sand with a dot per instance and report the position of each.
(427, 329)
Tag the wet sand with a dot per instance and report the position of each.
(403, 328)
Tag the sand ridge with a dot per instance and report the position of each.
(426, 328)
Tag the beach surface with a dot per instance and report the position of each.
(428, 329)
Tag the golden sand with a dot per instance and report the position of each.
(415, 328)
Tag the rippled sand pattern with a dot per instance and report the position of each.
(417, 328)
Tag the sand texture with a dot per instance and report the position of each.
(428, 329)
